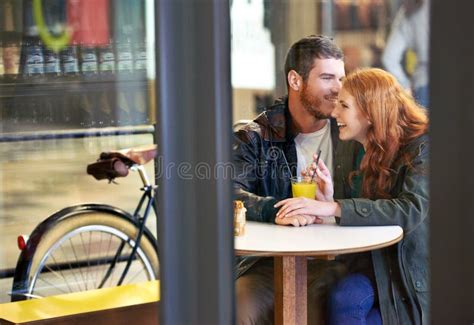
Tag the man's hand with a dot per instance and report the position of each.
(299, 220)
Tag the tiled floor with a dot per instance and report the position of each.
(38, 178)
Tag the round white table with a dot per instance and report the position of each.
(290, 246)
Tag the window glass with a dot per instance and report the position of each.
(76, 79)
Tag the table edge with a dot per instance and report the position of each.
(334, 252)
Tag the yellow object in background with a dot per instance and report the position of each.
(410, 61)
(80, 302)
(56, 43)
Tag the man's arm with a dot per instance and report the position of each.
(247, 152)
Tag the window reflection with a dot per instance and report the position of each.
(76, 79)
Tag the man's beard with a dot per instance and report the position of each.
(312, 104)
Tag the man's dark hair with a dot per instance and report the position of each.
(301, 55)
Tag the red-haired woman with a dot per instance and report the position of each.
(389, 186)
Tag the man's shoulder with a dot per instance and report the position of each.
(273, 115)
(278, 107)
(271, 120)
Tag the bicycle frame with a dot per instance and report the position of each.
(148, 196)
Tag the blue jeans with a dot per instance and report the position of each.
(351, 302)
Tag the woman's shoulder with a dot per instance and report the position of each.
(424, 138)
(416, 151)
(419, 145)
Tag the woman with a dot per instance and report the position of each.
(389, 186)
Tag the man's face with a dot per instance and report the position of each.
(320, 90)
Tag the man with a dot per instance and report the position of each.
(279, 144)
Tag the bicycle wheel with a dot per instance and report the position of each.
(74, 250)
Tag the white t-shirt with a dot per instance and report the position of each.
(307, 144)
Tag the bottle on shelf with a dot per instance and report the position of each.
(124, 56)
(88, 61)
(11, 58)
(140, 56)
(107, 59)
(11, 45)
(32, 63)
(102, 100)
(68, 111)
(130, 36)
(11, 26)
(123, 36)
(2, 67)
(55, 19)
(69, 58)
(2, 26)
(138, 20)
(140, 92)
(52, 64)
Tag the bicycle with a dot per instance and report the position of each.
(91, 246)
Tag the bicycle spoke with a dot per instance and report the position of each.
(69, 263)
(98, 260)
(60, 274)
(51, 285)
(115, 271)
(89, 256)
(119, 268)
(136, 274)
(83, 256)
(106, 254)
(77, 259)
(84, 250)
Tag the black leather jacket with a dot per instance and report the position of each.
(265, 159)
(401, 271)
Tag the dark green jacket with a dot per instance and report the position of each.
(401, 271)
(265, 159)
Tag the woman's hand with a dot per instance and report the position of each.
(301, 206)
(325, 190)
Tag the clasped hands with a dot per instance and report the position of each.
(301, 211)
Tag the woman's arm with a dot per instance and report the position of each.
(407, 210)
(304, 206)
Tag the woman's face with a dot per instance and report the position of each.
(353, 125)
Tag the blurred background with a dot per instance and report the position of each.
(77, 77)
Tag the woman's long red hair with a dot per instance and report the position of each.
(395, 118)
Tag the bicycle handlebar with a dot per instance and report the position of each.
(111, 165)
